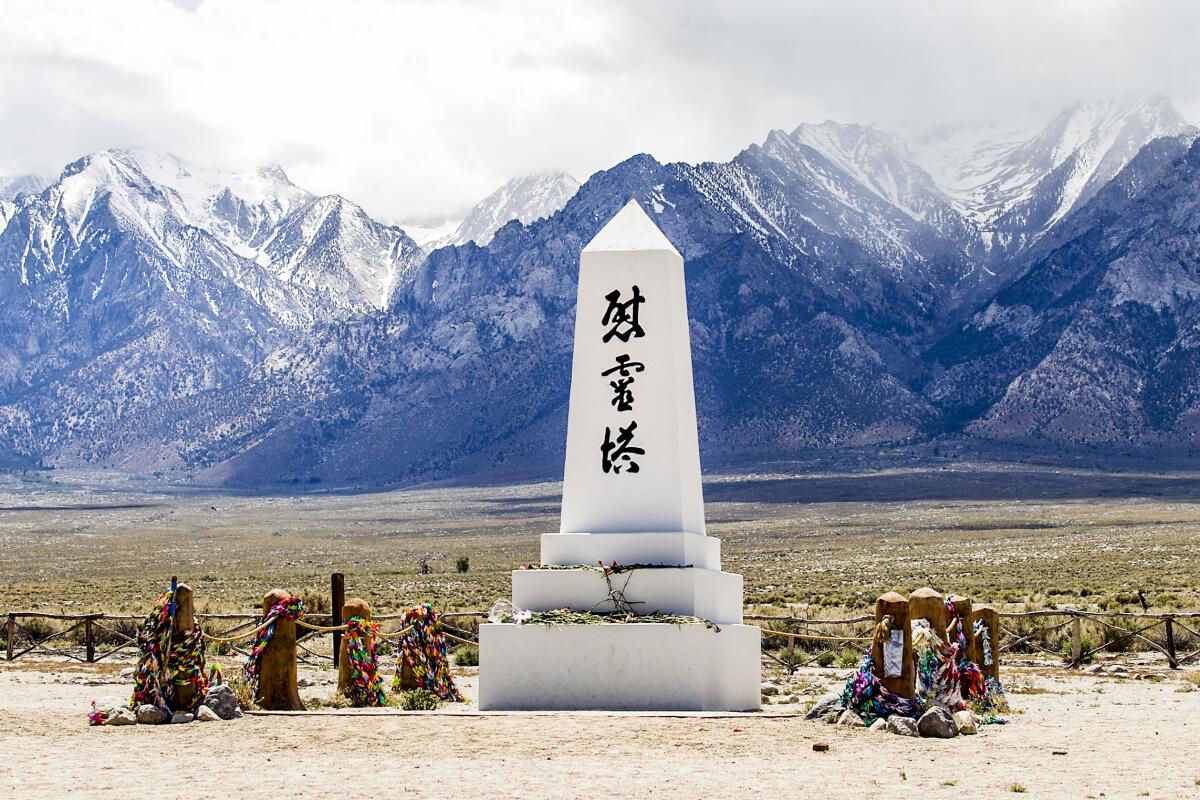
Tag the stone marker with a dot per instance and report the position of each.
(631, 495)
(223, 701)
(206, 714)
(878, 726)
(902, 726)
(151, 715)
(927, 604)
(965, 722)
(354, 607)
(122, 716)
(937, 723)
(277, 689)
(850, 719)
(181, 718)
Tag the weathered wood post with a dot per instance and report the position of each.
(12, 635)
(1076, 640)
(1172, 657)
(791, 654)
(962, 606)
(929, 605)
(89, 640)
(898, 677)
(181, 628)
(277, 689)
(337, 589)
(353, 607)
(989, 657)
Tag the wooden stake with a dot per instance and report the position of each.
(277, 689)
(895, 606)
(337, 591)
(991, 621)
(962, 605)
(185, 620)
(1076, 641)
(1172, 658)
(927, 604)
(89, 641)
(12, 635)
(353, 607)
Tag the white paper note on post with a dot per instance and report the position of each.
(893, 655)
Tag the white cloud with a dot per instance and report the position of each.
(420, 108)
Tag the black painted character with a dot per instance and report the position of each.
(619, 454)
(623, 316)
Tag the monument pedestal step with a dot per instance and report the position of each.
(704, 593)
(631, 667)
(676, 548)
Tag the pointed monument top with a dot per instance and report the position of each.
(630, 229)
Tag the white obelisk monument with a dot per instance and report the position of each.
(631, 496)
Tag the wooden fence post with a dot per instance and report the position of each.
(1172, 658)
(895, 606)
(962, 607)
(337, 590)
(791, 654)
(181, 627)
(991, 623)
(1076, 640)
(12, 634)
(89, 640)
(928, 604)
(353, 607)
(277, 688)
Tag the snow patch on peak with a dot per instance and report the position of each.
(11, 186)
(525, 199)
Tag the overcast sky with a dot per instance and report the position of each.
(418, 109)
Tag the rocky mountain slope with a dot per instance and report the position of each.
(842, 289)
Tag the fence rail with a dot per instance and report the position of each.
(804, 641)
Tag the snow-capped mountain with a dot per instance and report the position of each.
(526, 200)
(1015, 187)
(846, 285)
(12, 186)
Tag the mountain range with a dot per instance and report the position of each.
(847, 285)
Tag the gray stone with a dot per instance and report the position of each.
(878, 726)
(831, 716)
(965, 721)
(206, 714)
(122, 716)
(902, 726)
(1094, 669)
(151, 715)
(128, 672)
(937, 723)
(850, 719)
(220, 698)
(181, 718)
(788, 699)
(1118, 670)
(768, 689)
(823, 707)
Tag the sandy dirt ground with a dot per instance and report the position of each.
(1121, 737)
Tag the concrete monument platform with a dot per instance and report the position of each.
(631, 495)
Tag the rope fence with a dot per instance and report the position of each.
(94, 637)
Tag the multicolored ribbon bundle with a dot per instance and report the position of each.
(424, 650)
(970, 677)
(169, 660)
(870, 699)
(288, 608)
(366, 687)
(98, 716)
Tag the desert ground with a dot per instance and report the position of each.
(814, 542)
(1069, 736)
